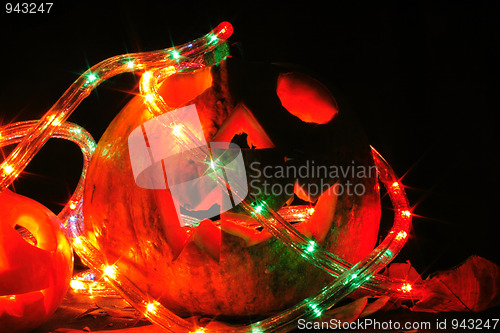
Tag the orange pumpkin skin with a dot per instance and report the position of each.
(33, 278)
(227, 270)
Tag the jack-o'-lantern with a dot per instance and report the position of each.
(36, 263)
(298, 147)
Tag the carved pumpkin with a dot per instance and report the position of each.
(282, 119)
(36, 263)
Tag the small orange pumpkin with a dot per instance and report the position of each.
(36, 263)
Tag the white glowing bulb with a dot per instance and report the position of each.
(110, 271)
(92, 77)
(406, 213)
(401, 235)
(146, 76)
(8, 169)
(406, 287)
(177, 130)
(54, 120)
(77, 241)
(77, 285)
(149, 97)
(151, 307)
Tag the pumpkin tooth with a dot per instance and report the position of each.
(289, 201)
(299, 191)
(321, 220)
(207, 236)
(177, 237)
(250, 235)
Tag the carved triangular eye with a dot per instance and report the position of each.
(306, 98)
(242, 121)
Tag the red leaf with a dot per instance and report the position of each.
(375, 306)
(403, 271)
(473, 286)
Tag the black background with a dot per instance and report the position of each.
(421, 76)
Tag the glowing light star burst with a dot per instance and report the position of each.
(311, 246)
(176, 54)
(151, 308)
(213, 39)
(110, 271)
(8, 169)
(177, 129)
(159, 67)
(406, 287)
(92, 78)
(401, 235)
(406, 213)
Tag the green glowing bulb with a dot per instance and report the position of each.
(91, 77)
(92, 146)
(311, 247)
(258, 209)
(130, 64)
(316, 309)
(175, 54)
(213, 38)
